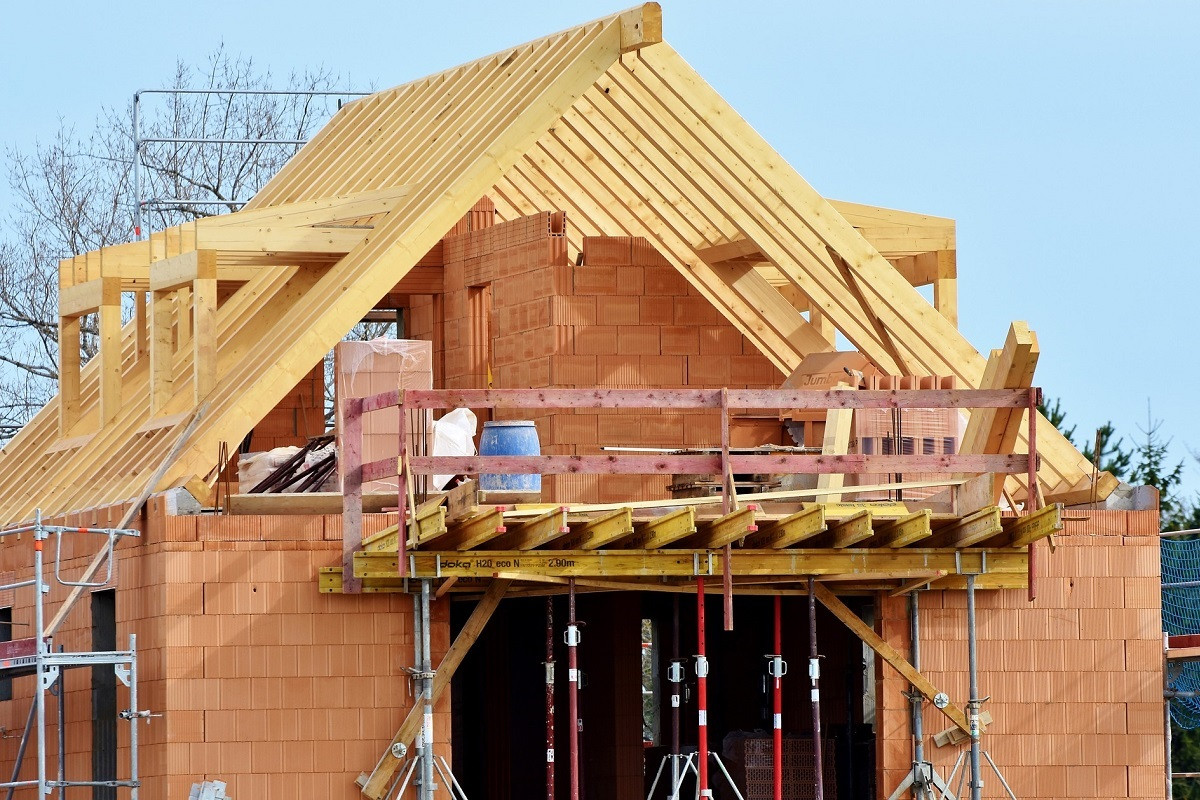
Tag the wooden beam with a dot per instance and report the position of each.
(204, 319)
(473, 532)
(843, 533)
(110, 350)
(376, 784)
(904, 531)
(80, 299)
(68, 374)
(790, 530)
(677, 563)
(641, 27)
(968, 531)
(663, 530)
(175, 271)
(838, 425)
(534, 532)
(726, 529)
(1027, 529)
(323, 210)
(945, 286)
(601, 530)
(162, 350)
(887, 652)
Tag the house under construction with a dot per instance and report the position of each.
(578, 233)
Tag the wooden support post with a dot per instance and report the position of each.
(375, 785)
(141, 324)
(821, 323)
(162, 351)
(183, 322)
(888, 653)
(68, 374)
(204, 323)
(110, 349)
(838, 422)
(945, 286)
(350, 452)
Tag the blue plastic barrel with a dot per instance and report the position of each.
(510, 438)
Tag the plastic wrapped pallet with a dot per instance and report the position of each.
(366, 368)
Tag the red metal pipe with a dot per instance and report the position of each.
(701, 695)
(777, 690)
(573, 688)
(814, 673)
(1031, 490)
(549, 698)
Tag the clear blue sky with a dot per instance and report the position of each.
(1064, 136)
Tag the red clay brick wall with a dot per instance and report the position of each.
(261, 681)
(625, 318)
(1075, 677)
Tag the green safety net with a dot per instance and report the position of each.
(1181, 615)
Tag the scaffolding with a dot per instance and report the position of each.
(37, 656)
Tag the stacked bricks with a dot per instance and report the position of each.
(260, 680)
(624, 318)
(1075, 677)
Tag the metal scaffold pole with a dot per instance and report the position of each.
(573, 688)
(549, 698)
(814, 674)
(973, 703)
(701, 695)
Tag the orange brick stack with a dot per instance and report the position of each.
(1075, 677)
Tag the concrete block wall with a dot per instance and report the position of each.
(1075, 677)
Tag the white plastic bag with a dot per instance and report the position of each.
(453, 435)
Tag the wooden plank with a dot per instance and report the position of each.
(376, 784)
(1029, 528)
(843, 533)
(969, 530)
(322, 210)
(791, 530)
(945, 288)
(904, 531)
(888, 653)
(726, 529)
(681, 563)
(533, 532)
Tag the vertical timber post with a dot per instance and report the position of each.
(973, 704)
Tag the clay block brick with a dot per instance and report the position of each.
(617, 310)
(665, 281)
(658, 310)
(745, 370)
(663, 430)
(573, 310)
(679, 340)
(646, 254)
(617, 371)
(631, 280)
(603, 250)
(616, 428)
(597, 340)
(577, 429)
(721, 340)
(573, 370)
(664, 370)
(707, 372)
(595, 280)
(1143, 523)
(640, 340)
(695, 311)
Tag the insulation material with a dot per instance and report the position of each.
(254, 468)
(366, 368)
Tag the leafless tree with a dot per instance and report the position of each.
(73, 193)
